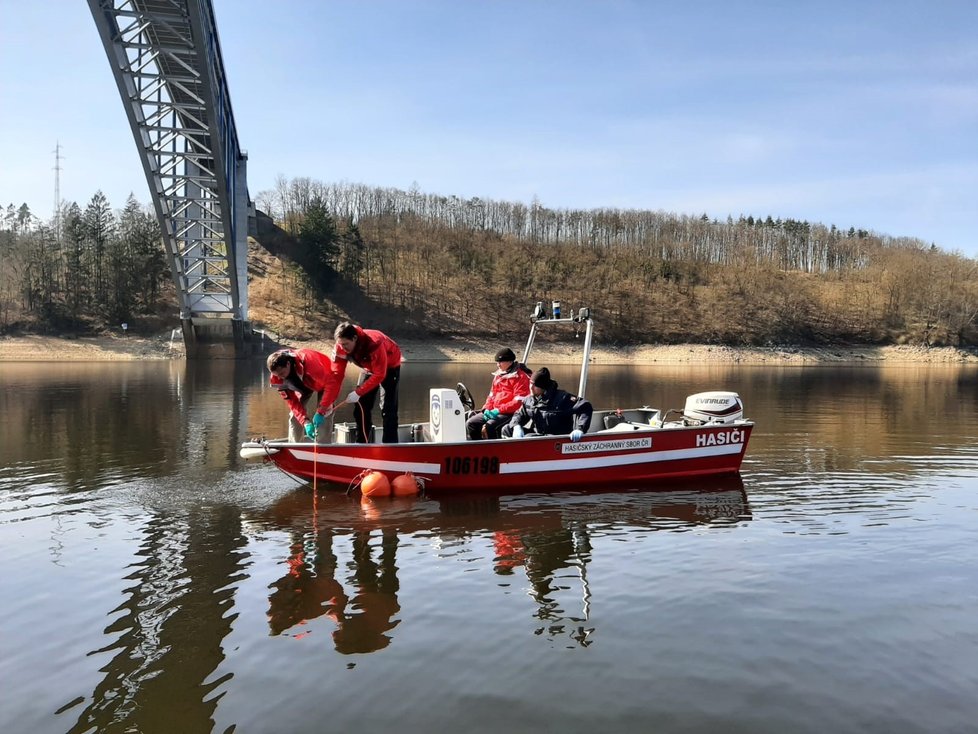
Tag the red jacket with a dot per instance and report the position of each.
(315, 371)
(508, 389)
(374, 353)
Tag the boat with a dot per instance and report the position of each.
(622, 448)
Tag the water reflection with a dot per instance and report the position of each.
(108, 423)
(121, 483)
(310, 589)
(541, 537)
(165, 638)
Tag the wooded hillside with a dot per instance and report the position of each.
(439, 265)
(425, 265)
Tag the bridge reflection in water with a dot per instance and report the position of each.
(340, 559)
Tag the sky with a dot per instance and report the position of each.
(853, 113)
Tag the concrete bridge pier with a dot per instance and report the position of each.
(217, 338)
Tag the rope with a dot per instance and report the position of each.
(315, 493)
(363, 422)
(357, 480)
(268, 456)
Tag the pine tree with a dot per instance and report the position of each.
(320, 242)
(99, 229)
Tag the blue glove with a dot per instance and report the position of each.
(576, 435)
(518, 432)
(352, 397)
(310, 431)
(319, 418)
(490, 414)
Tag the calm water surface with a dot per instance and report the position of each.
(151, 581)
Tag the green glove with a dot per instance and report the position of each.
(318, 420)
(311, 431)
(490, 414)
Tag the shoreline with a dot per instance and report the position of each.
(35, 348)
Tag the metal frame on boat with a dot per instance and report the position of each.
(622, 448)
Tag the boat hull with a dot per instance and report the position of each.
(600, 461)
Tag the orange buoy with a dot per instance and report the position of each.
(405, 485)
(375, 484)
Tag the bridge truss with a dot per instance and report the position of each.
(166, 59)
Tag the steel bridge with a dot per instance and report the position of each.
(166, 59)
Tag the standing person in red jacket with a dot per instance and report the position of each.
(510, 385)
(380, 358)
(299, 375)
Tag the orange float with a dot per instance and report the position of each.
(406, 485)
(375, 484)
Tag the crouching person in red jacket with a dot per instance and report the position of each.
(305, 378)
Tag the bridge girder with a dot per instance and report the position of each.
(166, 59)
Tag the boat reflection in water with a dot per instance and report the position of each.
(343, 557)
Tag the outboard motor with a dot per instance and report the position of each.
(713, 407)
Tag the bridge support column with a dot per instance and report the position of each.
(189, 337)
(240, 337)
(210, 338)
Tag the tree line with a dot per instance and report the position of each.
(433, 265)
(446, 265)
(83, 269)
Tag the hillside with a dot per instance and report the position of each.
(424, 279)
(436, 268)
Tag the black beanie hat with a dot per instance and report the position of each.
(505, 355)
(541, 378)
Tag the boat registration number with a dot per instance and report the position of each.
(471, 465)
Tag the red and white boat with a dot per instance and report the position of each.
(629, 448)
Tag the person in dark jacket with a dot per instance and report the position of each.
(510, 386)
(306, 380)
(379, 357)
(549, 411)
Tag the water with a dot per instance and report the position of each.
(152, 581)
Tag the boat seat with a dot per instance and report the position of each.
(623, 427)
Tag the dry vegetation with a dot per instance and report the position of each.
(441, 269)
(436, 267)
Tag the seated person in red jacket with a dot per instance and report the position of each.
(510, 385)
(549, 411)
(379, 357)
(305, 379)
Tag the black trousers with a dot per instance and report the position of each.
(475, 424)
(363, 415)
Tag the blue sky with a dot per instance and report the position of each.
(850, 113)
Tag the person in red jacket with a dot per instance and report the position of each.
(510, 385)
(379, 357)
(299, 375)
